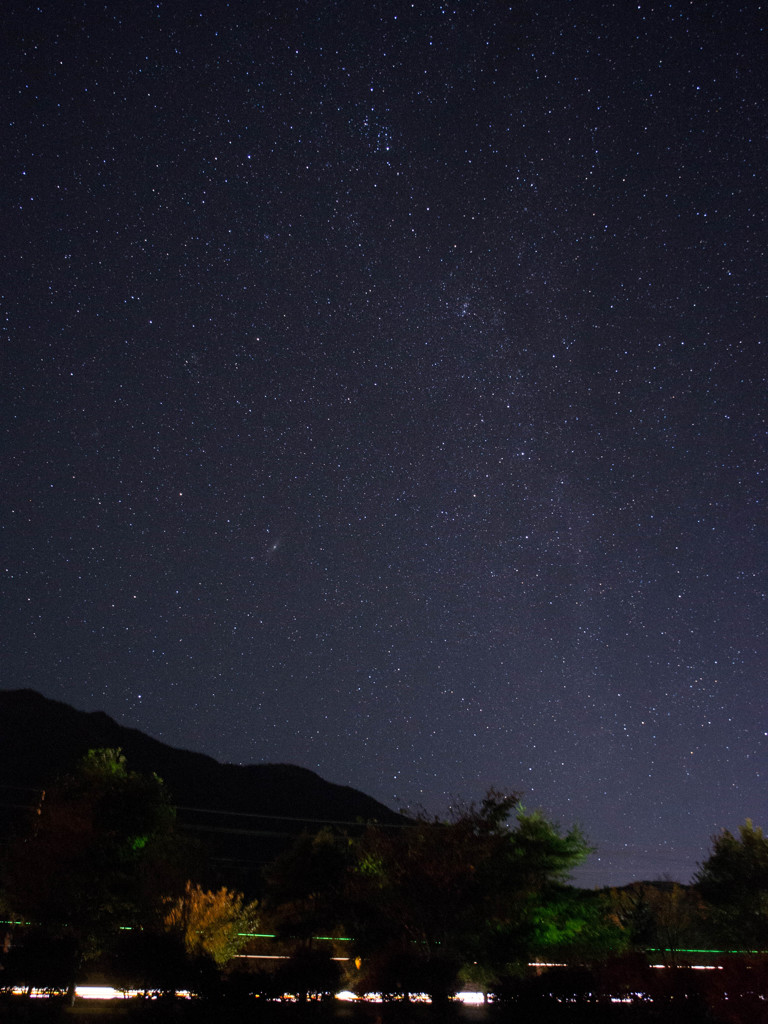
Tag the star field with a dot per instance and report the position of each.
(384, 392)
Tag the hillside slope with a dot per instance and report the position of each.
(245, 813)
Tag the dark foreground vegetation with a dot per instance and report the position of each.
(101, 886)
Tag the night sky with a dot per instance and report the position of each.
(384, 392)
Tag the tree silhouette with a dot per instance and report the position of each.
(437, 896)
(97, 855)
(734, 882)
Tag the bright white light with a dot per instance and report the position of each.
(98, 992)
(470, 998)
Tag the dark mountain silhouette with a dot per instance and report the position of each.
(244, 813)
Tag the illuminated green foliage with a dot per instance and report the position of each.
(438, 896)
(104, 762)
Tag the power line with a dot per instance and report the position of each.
(284, 817)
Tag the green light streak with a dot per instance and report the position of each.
(669, 949)
(315, 938)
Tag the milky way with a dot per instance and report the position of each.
(384, 392)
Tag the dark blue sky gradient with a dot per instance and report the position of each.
(384, 391)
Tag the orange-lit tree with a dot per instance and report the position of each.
(213, 924)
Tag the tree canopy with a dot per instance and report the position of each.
(422, 906)
(438, 895)
(213, 924)
(97, 854)
(734, 882)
